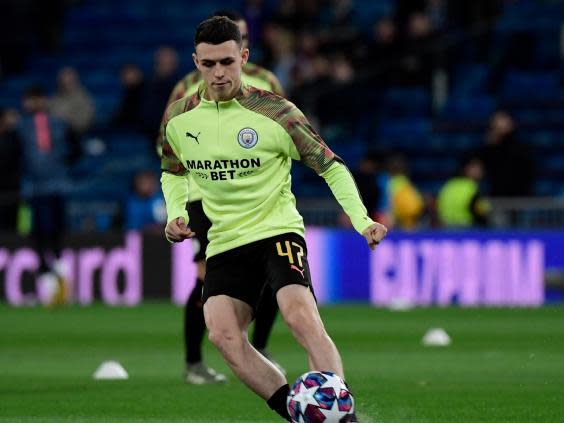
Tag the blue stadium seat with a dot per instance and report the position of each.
(525, 87)
(456, 142)
(405, 102)
(539, 139)
(469, 108)
(470, 79)
(547, 187)
(404, 134)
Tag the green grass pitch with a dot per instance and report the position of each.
(504, 365)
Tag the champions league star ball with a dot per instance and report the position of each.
(320, 397)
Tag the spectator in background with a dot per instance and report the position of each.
(382, 52)
(306, 67)
(342, 77)
(460, 203)
(10, 173)
(406, 201)
(128, 113)
(509, 164)
(145, 208)
(72, 103)
(158, 89)
(343, 71)
(419, 51)
(45, 144)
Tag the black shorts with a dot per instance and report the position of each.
(245, 271)
(200, 224)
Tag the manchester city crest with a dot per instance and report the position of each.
(247, 137)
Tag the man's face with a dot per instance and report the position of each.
(220, 66)
(502, 124)
(34, 104)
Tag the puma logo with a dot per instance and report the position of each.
(296, 268)
(189, 135)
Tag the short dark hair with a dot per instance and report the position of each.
(217, 30)
(231, 14)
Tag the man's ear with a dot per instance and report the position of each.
(245, 55)
(195, 59)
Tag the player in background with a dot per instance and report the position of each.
(238, 142)
(194, 325)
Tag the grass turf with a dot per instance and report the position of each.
(505, 365)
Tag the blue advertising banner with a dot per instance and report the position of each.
(467, 268)
(422, 268)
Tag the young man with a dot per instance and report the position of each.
(238, 142)
(194, 326)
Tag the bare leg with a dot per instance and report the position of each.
(299, 310)
(227, 320)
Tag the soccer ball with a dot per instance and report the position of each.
(320, 397)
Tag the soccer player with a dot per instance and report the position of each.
(194, 325)
(238, 142)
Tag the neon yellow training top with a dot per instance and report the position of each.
(252, 74)
(239, 153)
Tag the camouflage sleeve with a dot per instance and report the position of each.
(310, 146)
(170, 160)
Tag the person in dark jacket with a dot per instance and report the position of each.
(509, 163)
(45, 151)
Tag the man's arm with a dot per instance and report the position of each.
(175, 189)
(345, 191)
(312, 150)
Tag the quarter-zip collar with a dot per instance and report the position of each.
(202, 94)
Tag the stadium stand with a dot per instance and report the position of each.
(524, 75)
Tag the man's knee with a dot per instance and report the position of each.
(225, 340)
(227, 321)
(303, 321)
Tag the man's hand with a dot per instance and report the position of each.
(177, 231)
(374, 234)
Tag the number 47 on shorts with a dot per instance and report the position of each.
(286, 251)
